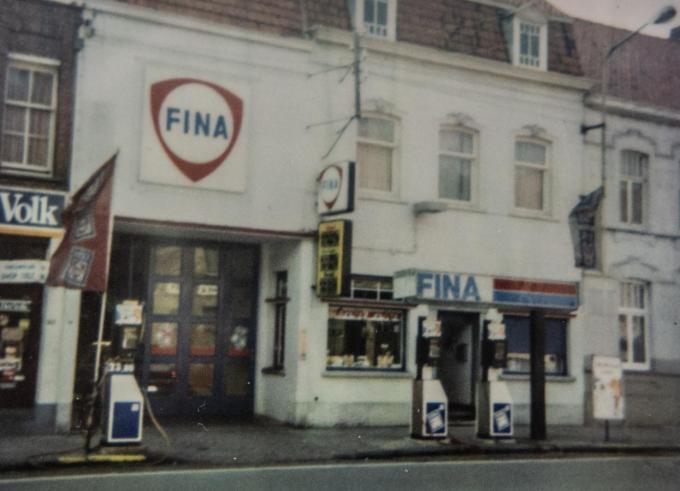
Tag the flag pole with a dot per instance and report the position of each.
(102, 310)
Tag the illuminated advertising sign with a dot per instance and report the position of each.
(333, 265)
(336, 189)
(193, 130)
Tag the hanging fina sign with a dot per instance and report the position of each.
(336, 189)
(193, 131)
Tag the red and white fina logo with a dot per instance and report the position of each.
(197, 123)
(331, 182)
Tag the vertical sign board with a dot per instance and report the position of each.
(608, 400)
(336, 189)
(333, 263)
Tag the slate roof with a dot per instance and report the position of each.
(461, 26)
(646, 70)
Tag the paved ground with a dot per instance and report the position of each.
(264, 442)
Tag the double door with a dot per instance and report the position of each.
(200, 329)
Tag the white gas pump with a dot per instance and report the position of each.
(122, 399)
(429, 411)
(495, 409)
(123, 405)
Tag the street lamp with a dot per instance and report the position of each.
(664, 15)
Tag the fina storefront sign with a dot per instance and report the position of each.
(461, 287)
(30, 212)
(336, 189)
(193, 130)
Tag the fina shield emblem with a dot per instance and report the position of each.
(331, 182)
(197, 123)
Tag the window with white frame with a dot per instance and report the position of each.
(530, 42)
(531, 175)
(634, 324)
(457, 163)
(633, 176)
(29, 117)
(376, 148)
(376, 17)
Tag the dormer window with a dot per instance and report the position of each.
(376, 18)
(529, 44)
(527, 37)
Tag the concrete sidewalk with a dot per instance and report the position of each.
(264, 442)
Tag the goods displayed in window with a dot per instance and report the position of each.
(14, 325)
(518, 355)
(360, 338)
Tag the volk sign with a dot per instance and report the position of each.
(336, 189)
(22, 210)
(193, 133)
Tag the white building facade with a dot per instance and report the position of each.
(631, 294)
(468, 163)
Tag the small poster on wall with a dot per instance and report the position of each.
(607, 388)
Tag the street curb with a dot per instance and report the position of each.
(460, 450)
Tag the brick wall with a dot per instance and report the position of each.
(48, 30)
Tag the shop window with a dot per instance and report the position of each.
(531, 171)
(376, 155)
(457, 163)
(634, 325)
(375, 18)
(518, 345)
(632, 186)
(365, 338)
(28, 126)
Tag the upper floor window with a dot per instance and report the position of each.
(632, 186)
(529, 40)
(371, 287)
(457, 163)
(634, 324)
(29, 117)
(376, 17)
(531, 171)
(376, 148)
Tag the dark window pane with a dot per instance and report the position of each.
(17, 84)
(163, 376)
(236, 380)
(201, 379)
(168, 260)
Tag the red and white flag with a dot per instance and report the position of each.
(81, 260)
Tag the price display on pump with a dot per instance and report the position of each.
(333, 263)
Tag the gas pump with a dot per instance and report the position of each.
(495, 417)
(123, 401)
(429, 414)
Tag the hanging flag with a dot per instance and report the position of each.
(81, 260)
(582, 223)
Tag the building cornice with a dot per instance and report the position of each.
(632, 110)
(414, 52)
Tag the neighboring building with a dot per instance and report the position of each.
(38, 43)
(468, 163)
(631, 296)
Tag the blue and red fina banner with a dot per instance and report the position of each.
(534, 293)
(81, 260)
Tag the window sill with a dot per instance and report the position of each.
(280, 372)
(520, 377)
(461, 205)
(381, 197)
(365, 373)
(533, 215)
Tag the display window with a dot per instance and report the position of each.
(365, 338)
(518, 345)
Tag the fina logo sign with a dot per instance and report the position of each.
(336, 189)
(196, 122)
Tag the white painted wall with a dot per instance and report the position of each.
(284, 157)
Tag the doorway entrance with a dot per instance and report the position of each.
(200, 329)
(458, 362)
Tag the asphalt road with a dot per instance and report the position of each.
(606, 473)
